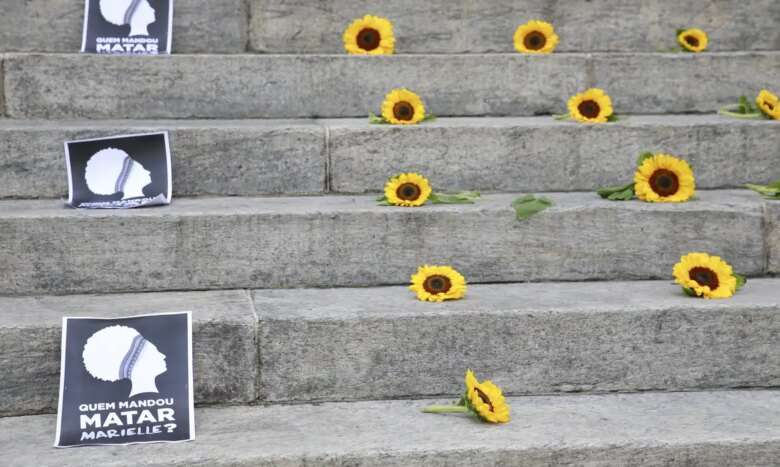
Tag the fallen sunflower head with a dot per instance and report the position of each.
(662, 178)
(692, 40)
(403, 107)
(407, 189)
(769, 104)
(535, 37)
(591, 106)
(486, 400)
(702, 275)
(438, 283)
(369, 35)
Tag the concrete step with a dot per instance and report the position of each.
(224, 343)
(288, 86)
(435, 26)
(218, 243)
(672, 429)
(468, 26)
(347, 344)
(216, 26)
(257, 157)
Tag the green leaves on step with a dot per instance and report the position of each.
(613, 118)
(689, 292)
(464, 197)
(617, 193)
(527, 206)
(770, 191)
(380, 120)
(741, 280)
(744, 109)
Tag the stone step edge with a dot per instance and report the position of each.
(706, 428)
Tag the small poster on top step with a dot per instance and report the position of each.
(119, 172)
(127, 27)
(126, 380)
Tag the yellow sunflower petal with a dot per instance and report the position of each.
(486, 400)
(403, 107)
(369, 35)
(591, 106)
(535, 37)
(664, 179)
(769, 104)
(693, 40)
(438, 283)
(706, 276)
(408, 190)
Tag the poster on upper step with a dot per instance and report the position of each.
(126, 380)
(127, 27)
(119, 172)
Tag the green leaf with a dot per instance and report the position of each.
(741, 280)
(613, 118)
(527, 206)
(376, 119)
(643, 157)
(689, 292)
(617, 193)
(771, 191)
(464, 197)
(679, 31)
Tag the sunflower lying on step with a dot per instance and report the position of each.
(659, 178)
(702, 275)
(591, 106)
(483, 399)
(401, 107)
(438, 283)
(414, 190)
(535, 37)
(692, 40)
(369, 35)
(767, 107)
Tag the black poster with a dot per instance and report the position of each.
(119, 172)
(126, 380)
(128, 27)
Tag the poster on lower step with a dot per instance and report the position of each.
(127, 27)
(126, 380)
(119, 172)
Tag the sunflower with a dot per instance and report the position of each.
(693, 40)
(591, 106)
(705, 276)
(535, 37)
(403, 107)
(408, 189)
(664, 179)
(369, 35)
(438, 283)
(769, 104)
(486, 400)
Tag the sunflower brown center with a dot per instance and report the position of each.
(704, 276)
(408, 192)
(692, 41)
(403, 111)
(589, 108)
(664, 182)
(535, 41)
(437, 284)
(769, 105)
(484, 398)
(368, 39)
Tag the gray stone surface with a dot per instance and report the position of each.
(336, 344)
(477, 26)
(540, 154)
(739, 428)
(216, 26)
(246, 157)
(773, 235)
(289, 86)
(224, 347)
(350, 241)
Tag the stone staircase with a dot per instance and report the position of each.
(308, 350)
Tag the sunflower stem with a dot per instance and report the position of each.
(561, 117)
(747, 116)
(445, 409)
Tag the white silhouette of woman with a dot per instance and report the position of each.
(139, 14)
(119, 352)
(112, 171)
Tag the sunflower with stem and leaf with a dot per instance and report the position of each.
(659, 178)
(592, 106)
(483, 399)
(413, 190)
(706, 276)
(401, 107)
(767, 107)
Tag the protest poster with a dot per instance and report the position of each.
(127, 27)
